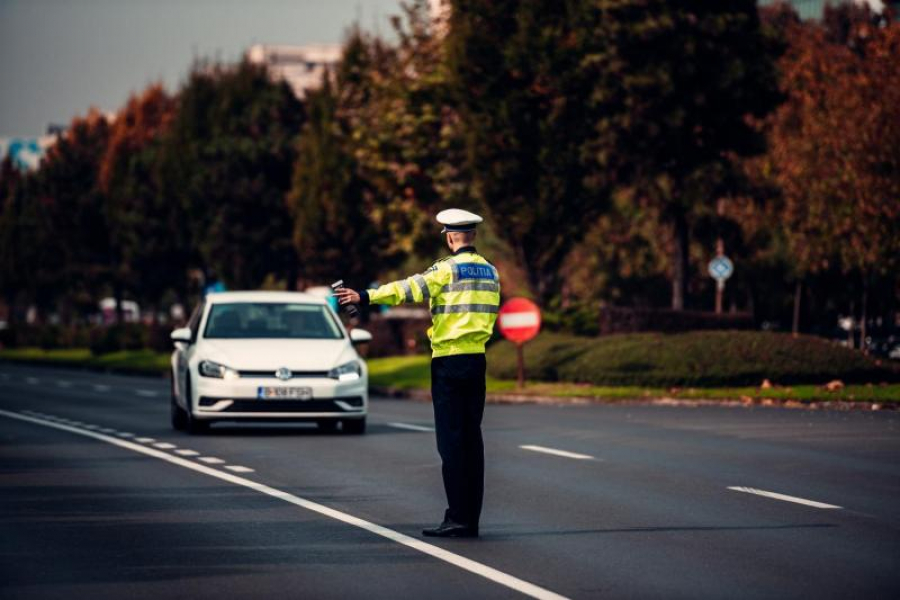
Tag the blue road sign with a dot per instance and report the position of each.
(721, 268)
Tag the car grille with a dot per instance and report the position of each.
(294, 374)
(278, 406)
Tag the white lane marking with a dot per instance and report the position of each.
(107, 430)
(32, 380)
(164, 446)
(99, 387)
(64, 384)
(467, 564)
(410, 427)
(211, 460)
(125, 434)
(145, 440)
(146, 393)
(239, 469)
(186, 452)
(91, 426)
(556, 452)
(786, 498)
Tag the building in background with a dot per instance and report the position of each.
(26, 152)
(302, 67)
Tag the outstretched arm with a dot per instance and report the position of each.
(418, 288)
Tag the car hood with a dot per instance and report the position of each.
(263, 355)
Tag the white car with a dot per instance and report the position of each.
(268, 356)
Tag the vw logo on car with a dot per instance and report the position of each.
(283, 374)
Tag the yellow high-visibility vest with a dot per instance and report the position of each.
(463, 292)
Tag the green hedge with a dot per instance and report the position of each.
(701, 358)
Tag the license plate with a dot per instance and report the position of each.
(284, 393)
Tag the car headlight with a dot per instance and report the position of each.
(209, 368)
(347, 372)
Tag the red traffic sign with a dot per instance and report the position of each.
(519, 320)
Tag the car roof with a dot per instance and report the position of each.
(263, 296)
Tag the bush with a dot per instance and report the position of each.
(48, 337)
(700, 358)
(124, 336)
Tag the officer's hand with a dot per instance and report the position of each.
(347, 296)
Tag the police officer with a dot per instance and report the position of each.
(463, 291)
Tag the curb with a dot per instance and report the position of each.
(420, 395)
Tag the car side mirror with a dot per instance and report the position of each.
(182, 334)
(360, 336)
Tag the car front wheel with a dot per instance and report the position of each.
(178, 415)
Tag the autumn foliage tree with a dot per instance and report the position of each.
(835, 147)
(142, 221)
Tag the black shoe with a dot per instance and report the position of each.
(451, 529)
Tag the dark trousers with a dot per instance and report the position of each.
(457, 390)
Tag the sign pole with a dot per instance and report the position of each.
(720, 288)
(520, 354)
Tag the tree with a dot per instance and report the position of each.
(227, 159)
(64, 222)
(141, 220)
(674, 83)
(835, 146)
(517, 77)
(12, 269)
(329, 201)
(406, 133)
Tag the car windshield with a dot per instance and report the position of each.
(269, 320)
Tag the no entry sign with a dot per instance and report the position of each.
(519, 320)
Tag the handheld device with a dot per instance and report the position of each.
(351, 309)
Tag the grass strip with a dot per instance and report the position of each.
(413, 372)
(138, 361)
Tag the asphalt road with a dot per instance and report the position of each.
(99, 498)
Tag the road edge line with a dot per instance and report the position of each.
(467, 564)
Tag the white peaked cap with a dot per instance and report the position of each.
(456, 219)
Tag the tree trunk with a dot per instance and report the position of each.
(118, 293)
(798, 295)
(680, 261)
(862, 331)
(850, 342)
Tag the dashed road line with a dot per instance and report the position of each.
(410, 427)
(239, 469)
(125, 434)
(467, 564)
(107, 430)
(555, 452)
(32, 380)
(99, 387)
(64, 384)
(785, 497)
(145, 440)
(146, 393)
(164, 446)
(186, 452)
(211, 460)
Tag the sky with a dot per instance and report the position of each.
(60, 57)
